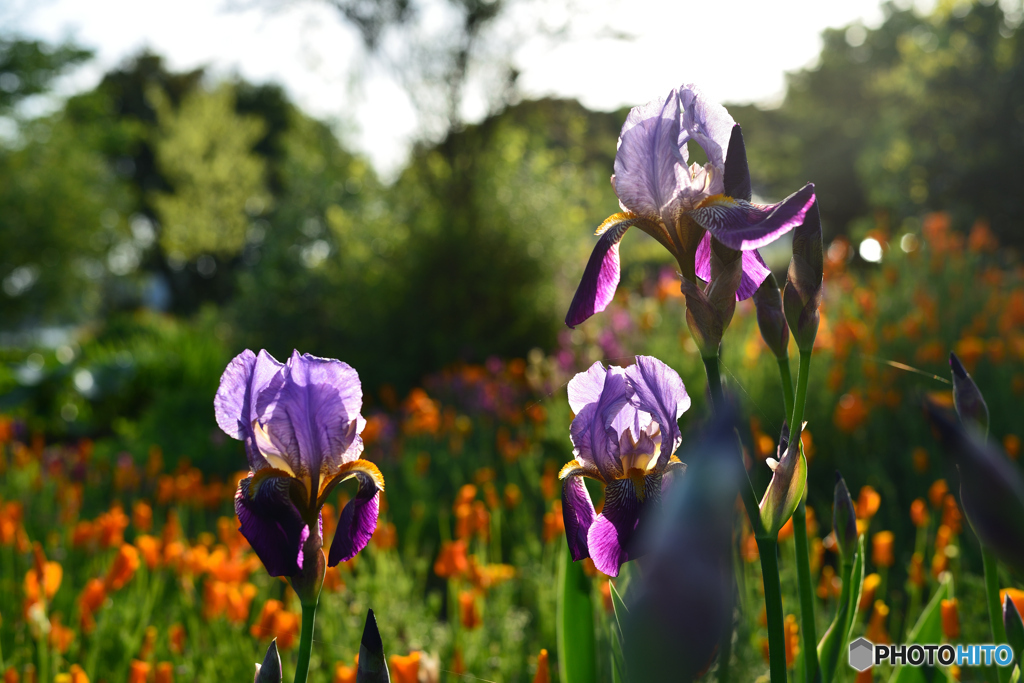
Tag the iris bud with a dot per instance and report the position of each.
(802, 295)
(844, 519)
(372, 666)
(270, 670)
(770, 317)
(709, 312)
(1014, 628)
(970, 404)
(786, 489)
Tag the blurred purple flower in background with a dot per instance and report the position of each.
(300, 422)
(682, 205)
(625, 434)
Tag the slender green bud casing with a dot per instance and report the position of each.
(770, 317)
(372, 665)
(991, 487)
(270, 670)
(844, 519)
(1014, 629)
(802, 295)
(709, 312)
(970, 404)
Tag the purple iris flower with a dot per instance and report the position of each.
(300, 423)
(625, 434)
(684, 206)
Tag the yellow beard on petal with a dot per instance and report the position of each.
(638, 477)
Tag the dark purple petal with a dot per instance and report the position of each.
(658, 390)
(754, 269)
(271, 523)
(738, 224)
(591, 432)
(600, 277)
(648, 161)
(311, 415)
(577, 510)
(610, 539)
(737, 174)
(359, 517)
(705, 122)
(970, 404)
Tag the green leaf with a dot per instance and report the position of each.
(577, 652)
(856, 588)
(928, 629)
(615, 627)
(832, 644)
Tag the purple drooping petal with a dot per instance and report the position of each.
(272, 524)
(705, 122)
(754, 269)
(738, 224)
(600, 277)
(595, 442)
(577, 514)
(658, 390)
(359, 517)
(310, 413)
(610, 539)
(648, 161)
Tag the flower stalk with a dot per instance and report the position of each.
(995, 609)
(768, 548)
(305, 640)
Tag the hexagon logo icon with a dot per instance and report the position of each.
(861, 654)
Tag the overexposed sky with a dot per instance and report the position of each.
(737, 50)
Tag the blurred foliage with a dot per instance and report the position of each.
(28, 67)
(920, 113)
(205, 150)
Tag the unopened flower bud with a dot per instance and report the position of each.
(970, 404)
(844, 520)
(770, 317)
(709, 311)
(786, 489)
(373, 667)
(270, 670)
(802, 295)
(1014, 627)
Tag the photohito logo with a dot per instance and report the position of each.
(864, 654)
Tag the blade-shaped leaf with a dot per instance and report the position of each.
(577, 652)
(832, 644)
(928, 629)
(618, 661)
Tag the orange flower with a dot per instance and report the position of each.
(468, 612)
(867, 594)
(344, 673)
(111, 525)
(876, 631)
(61, 636)
(749, 548)
(148, 642)
(543, 674)
(423, 415)
(333, 581)
(405, 669)
(78, 674)
(239, 599)
(868, 502)
(138, 672)
(851, 412)
(1016, 596)
(164, 673)
(951, 516)
(937, 493)
(83, 534)
(123, 568)
(149, 548)
(451, 561)
(176, 639)
(11, 675)
(866, 676)
(385, 537)
(513, 496)
(920, 458)
(882, 549)
(142, 516)
(52, 575)
(554, 522)
(275, 621)
(1011, 444)
(792, 639)
(919, 513)
(950, 619)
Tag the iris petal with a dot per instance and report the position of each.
(577, 509)
(738, 224)
(610, 539)
(359, 517)
(754, 269)
(648, 160)
(659, 390)
(596, 443)
(271, 523)
(600, 277)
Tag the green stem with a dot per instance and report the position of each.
(801, 390)
(768, 549)
(803, 575)
(714, 381)
(787, 385)
(995, 609)
(305, 641)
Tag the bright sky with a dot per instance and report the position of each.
(737, 50)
